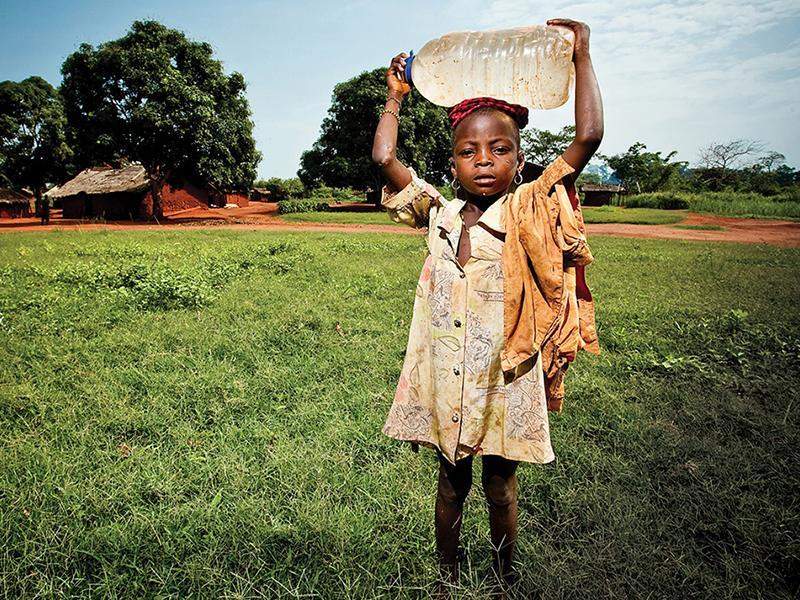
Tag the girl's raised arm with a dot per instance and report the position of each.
(384, 148)
(588, 103)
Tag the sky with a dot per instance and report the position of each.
(675, 75)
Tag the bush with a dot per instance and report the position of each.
(302, 205)
(785, 205)
(661, 200)
(322, 191)
(283, 189)
(347, 195)
(446, 191)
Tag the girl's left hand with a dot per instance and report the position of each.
(581, 31)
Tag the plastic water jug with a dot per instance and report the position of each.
(531, 66)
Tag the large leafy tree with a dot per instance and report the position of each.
(33, 148)
(341, 157)
(158, 98)
(642, 171)
(542, 147)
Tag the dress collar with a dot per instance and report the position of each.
(493, 217)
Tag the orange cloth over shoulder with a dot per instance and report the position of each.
(547, 305)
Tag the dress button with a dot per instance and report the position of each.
(457, 323)
(462, 275)
(456, 370)
(455, 417)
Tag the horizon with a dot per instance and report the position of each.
(706, 68)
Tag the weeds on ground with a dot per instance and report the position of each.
(231, 447)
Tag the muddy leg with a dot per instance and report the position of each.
(500, 486)
(454, 484)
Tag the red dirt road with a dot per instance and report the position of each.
(264, 215)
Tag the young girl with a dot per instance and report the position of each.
(501, 305)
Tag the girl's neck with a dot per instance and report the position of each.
(480, 202)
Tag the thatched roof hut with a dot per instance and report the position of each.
(260, 194)
(15, 203)
(597, 194)
(123, 193)
(104, 180)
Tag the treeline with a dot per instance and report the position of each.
(340, 156)
(152, 96)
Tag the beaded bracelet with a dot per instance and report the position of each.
(391, 112)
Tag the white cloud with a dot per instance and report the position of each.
(680, 74)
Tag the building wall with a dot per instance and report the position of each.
(16, 210)
(73, 207)
(596, 198)
(238, 198)
(183, 198)
(138, 205)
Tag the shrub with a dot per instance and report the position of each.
(346, 195)
(322, 191)
(302, 205)
(785, 205)
(446, 191)
(283, 189)
(661, 200)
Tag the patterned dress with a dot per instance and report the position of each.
(452, 394)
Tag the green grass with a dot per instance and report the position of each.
(198, 414)
(639, 216)
(343, 217)
(729, 204)
(705, 227)
(592, 214)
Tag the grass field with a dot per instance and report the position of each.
(592, 214)
(378, 217)
(198, 414)
(727, 204)
(641, 216)
(702, 227)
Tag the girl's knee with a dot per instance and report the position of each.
(500, 491)
(499, 480)
(454, 492)
(455, 482)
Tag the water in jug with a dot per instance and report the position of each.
(531, 66)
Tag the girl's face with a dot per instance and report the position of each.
(486, 154)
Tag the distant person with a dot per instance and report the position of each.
(45, 210)
(501, 305)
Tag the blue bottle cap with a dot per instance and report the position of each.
(407, 73)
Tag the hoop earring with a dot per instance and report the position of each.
(455, 184)
(518, 175)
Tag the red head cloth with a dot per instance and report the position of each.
(466, 107)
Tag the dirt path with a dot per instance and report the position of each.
(264, 215)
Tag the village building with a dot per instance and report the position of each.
(598, 194)
(14, 204)
(260, 194)
(124, 193)
(240, 199)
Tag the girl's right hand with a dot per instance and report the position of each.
(395, 77)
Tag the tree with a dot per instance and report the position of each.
(542, 147)
(729, 155)
(156, 97)
(281, 189)
(642, 171)
(769, 161)
(341, 157)
(33, 148)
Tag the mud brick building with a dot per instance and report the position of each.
(120, 193)
(15, 203)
